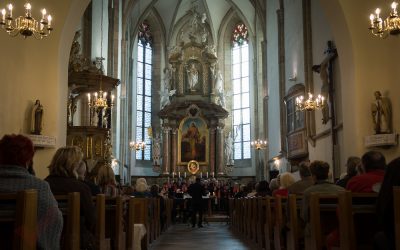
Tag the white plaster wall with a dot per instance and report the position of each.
(273, 80)
(37, 69)
(367, 64)
(294, 48)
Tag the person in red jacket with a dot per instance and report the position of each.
(373, 164)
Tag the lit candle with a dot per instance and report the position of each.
(28, 9)
(179, 175)
(212, 174)
(173, 174)
(184, 174)
(10, 8)
(49, 20)
(394, 6)
(44, 12)
(3, 12)
(371, 18)
(95, 95)
(207, 175)
(88, 97)
(201, 174)
(112, 98)
(104, 95)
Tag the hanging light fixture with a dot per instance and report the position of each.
(139, 145)
(390, 25)
(259, 144)
(310, 104)
(99, 100)
(26, 25)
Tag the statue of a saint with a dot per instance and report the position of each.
(156, 150)
(165, 93)
(71, 110)
(37, 118)
(193, 76)
(381, 111)
(219, 90)
(322, 70)
(229, 150)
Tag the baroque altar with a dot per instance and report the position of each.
(193, 121)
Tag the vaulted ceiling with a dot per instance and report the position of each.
(171, 11)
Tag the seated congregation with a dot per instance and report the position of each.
(69, 211)
(72, 210)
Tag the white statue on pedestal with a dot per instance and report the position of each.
(219, 90)
(165, 93)
(229, 149)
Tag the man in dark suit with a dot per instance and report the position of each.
(196, 190)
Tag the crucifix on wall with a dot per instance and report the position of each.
(325, 70)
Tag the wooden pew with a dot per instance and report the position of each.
(352, 205)
(69, 205)
(137, 214)
(22, 213)
(260, 222)
(114, 222)
(269, 222)
(280, 220)
(396, 202)
(100, 234)
(322, 209)
(294, 205)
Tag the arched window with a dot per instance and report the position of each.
(241, 92)
(143, 90)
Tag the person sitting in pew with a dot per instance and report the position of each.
(284, 181)
(373, 164)
(141, 189)
(320, 173)
(81, 171)
(63, 179)
(351, 166)
(16, 153)
(305, 179)
(385, 240)
(106, 181)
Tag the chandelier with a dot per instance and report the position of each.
(259, 144)
(310, 104)
(382, 28)
(100, 99)
(26, 25)
(139, 145)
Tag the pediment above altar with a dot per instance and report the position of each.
(180, 110)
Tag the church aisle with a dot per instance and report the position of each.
(215, 236)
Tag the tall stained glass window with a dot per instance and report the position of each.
(241, 92)
(143, 90)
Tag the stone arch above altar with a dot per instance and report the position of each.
(193, 130)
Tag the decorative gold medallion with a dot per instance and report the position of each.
(193, 166)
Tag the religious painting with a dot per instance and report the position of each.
(297, 144)
(193, 166)
(193, 140)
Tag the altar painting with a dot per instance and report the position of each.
(193, 141)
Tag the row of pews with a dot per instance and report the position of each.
(275, 222)
(118, 220)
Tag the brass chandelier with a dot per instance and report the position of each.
(139, 145)
(310, 104)
(390, 25)
(259, 144)
(26, 25)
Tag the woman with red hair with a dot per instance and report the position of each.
(16, 153)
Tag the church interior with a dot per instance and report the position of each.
(234, 92)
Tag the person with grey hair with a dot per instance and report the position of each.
(305, 179)
(351, 165)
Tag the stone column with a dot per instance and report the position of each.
(212, 150)
(220, 150)
(165, 161)
(174, 147)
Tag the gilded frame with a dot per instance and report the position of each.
(190, 148)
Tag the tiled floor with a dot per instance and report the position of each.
(215, 236)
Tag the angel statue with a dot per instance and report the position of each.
(219, 90)
(165, 93)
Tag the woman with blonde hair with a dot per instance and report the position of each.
(284, 180)
(63, 179)
(106, 181)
